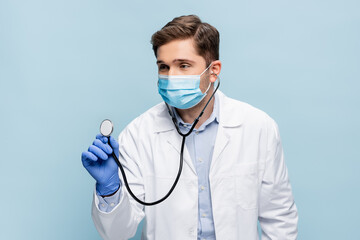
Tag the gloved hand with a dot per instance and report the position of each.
(101, 165)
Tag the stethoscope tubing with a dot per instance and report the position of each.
(181, 155)
(171, 189)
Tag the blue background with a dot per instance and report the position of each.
(67, 65)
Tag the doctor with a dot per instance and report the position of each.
(234, 173)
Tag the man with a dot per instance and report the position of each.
(233, 175)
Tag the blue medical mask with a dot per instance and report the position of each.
(181, 91)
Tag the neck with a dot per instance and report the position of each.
(189, 115)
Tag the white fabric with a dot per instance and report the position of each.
(248, 179)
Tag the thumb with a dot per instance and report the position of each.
(114, 144)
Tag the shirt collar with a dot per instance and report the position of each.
(230, 112)
(213, 117)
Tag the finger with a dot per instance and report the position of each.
(105, 147)
(114, 143)
(88, 156)
(98, 152)
(102, 138)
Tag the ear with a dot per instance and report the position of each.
(215, 70)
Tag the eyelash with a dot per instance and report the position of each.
(184, 65)
(163, 66)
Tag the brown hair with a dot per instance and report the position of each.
(206, 37)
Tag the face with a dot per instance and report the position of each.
(179, 57)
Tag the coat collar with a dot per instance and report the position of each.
(229, 115)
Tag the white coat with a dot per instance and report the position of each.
(248, 180)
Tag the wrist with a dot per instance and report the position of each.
(106, 190)
(109, 195)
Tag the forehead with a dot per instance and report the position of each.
(178, 49)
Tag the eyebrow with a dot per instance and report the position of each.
(177, 60)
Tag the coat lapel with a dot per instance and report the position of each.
(166, 126)
(221, 142)
(175, 142)
(229, 119)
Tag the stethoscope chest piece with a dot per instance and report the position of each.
(106, 128)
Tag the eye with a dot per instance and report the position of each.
(163, 67)
(184, 65)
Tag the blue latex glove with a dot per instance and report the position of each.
(101, 165)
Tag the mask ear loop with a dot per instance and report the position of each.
(210, 82)
(206, 69)
(208, 86)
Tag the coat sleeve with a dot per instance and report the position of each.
(277, 210)
(122, 221)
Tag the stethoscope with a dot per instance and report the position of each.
(106, 128)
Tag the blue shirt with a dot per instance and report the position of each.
(200, 144)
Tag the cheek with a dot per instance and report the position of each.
(204, 82)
